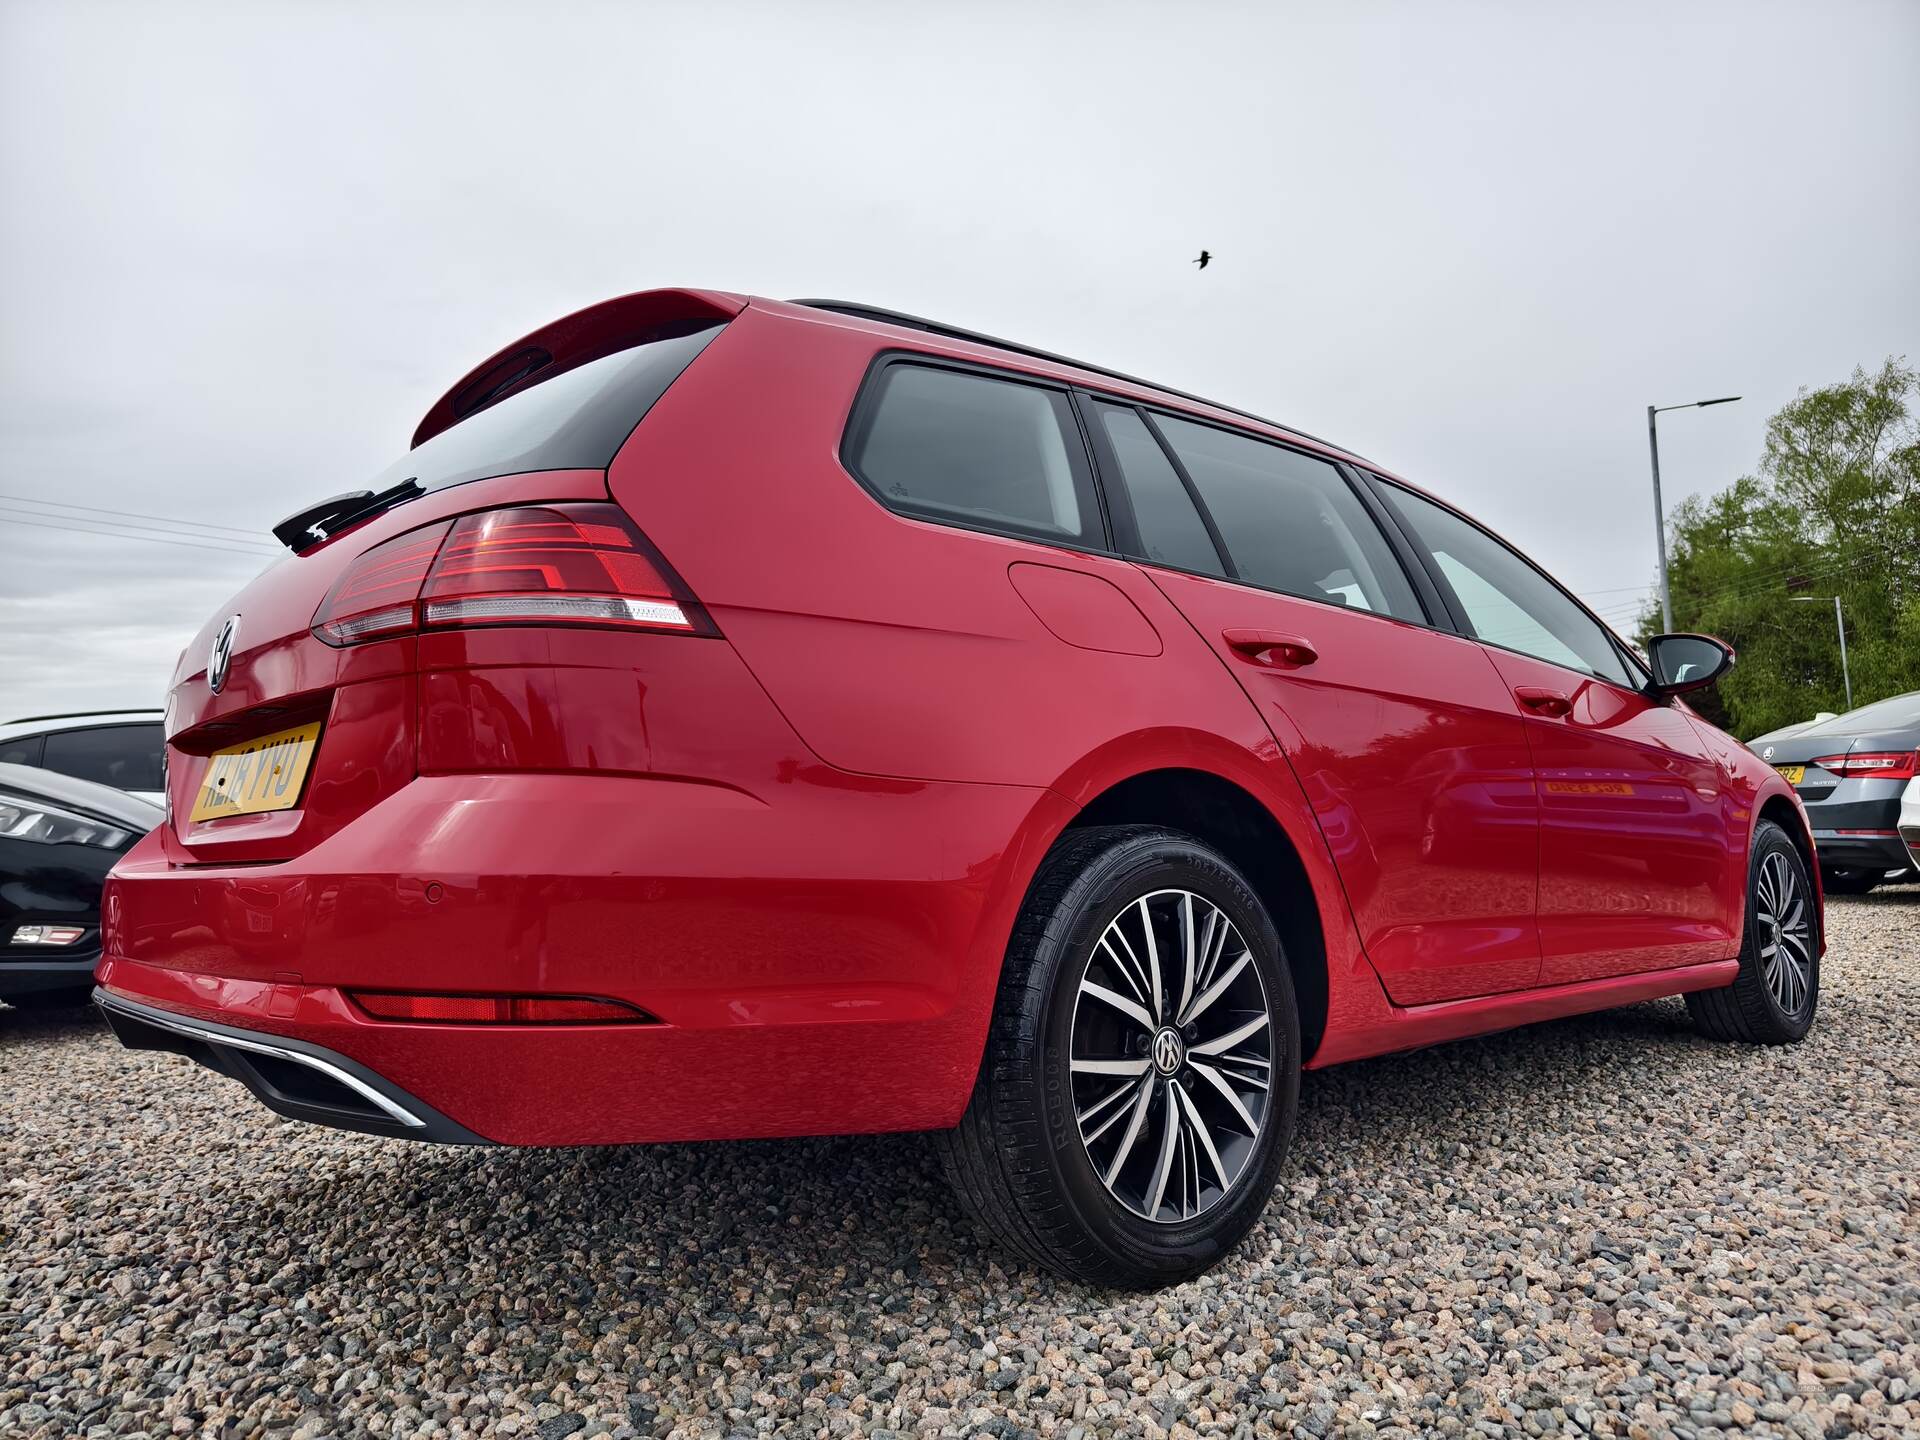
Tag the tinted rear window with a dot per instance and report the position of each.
(24, 751)
(126, 757)
(1290, 522)
(575, 421)
(1171, 530)
(995, 454)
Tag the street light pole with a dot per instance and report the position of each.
(1839, 625)
(1659, 512)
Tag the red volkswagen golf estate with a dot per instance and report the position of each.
(735, 718)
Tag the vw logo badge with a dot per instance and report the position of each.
(222, 655)
(1168, 1052)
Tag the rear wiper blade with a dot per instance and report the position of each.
(304, 529)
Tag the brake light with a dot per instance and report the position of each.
(555, 564)
(1873, 765)
(499, 1009)
(379, 594)
(571, 564)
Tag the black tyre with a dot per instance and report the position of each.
(1142, 1071)
(1772, 999)
(1849, 882)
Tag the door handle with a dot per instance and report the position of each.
(1543, 701)
(1270, 647)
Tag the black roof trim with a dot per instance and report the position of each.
(954, 332)
(89, 714)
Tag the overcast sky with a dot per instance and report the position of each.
(245, 247)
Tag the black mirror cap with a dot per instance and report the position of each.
(1687, 662)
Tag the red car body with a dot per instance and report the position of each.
(797, 835)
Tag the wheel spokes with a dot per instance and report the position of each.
(1784, 944)
(1171, 1055)
(1218, 988)
(1126, 1007)
(1153, 958)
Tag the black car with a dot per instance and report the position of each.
(121, 748)
(1850, 772)
(58, 839)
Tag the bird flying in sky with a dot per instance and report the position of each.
(1205, 256)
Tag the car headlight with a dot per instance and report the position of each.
(48, 825)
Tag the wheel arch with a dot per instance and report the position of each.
(1228, 817)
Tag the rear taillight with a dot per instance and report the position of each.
(379, 595)
(575, 564)
(556, 564)
(498, 1009)
(1873, 765)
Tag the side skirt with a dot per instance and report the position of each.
(1412, 1027)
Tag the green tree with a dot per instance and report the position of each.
(1835, 510)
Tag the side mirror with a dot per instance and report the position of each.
(1687, 662)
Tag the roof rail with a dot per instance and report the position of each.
(954, 332)
(89, 714)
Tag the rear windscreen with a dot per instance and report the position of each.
(575, 421)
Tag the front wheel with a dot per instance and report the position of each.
(1772, 998)
(1143, 1066)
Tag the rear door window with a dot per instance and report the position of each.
(1171, 530)
(1290, 521)
(126, 757)
(976, 450)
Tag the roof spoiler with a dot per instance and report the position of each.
(584, 335)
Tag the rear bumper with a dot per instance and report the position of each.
(1856, 826)
(290, 1077)
(1910, 821)
(50, 970)
(823, 962)
(1883, 850)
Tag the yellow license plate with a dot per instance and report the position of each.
(1792, 774)
(263, 774)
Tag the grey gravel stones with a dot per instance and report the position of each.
(1603, 1226)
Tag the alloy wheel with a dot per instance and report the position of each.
(1784, 924)
(1171, 1056)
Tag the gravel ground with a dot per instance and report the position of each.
(1603, 1224)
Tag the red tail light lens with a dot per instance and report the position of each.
(555, 564)
(376, 596)
(499, 1009)
(534, 565)
(1873, 765)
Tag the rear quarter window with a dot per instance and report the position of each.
(22, 751)
(975, 450)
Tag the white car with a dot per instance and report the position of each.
(1909, 821)
(121, 748)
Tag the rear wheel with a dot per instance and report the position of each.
(1142, 1070)
(1849, 882)
(1772, 999)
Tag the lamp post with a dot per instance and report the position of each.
(1840, 625)
(1659, 514)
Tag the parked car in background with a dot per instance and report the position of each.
(1850, 773)
(121, 748)
(58, 838)
(1785, 731)
(741, 718)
